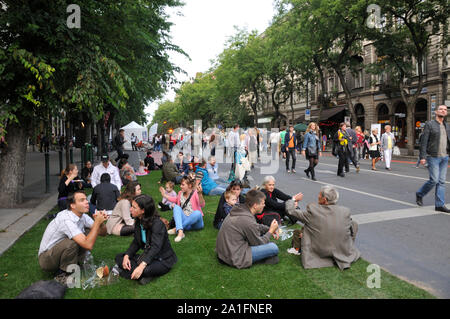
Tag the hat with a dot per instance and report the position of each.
(105, 158)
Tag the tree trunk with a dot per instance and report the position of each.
(348, 95)
(12, 168)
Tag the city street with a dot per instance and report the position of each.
(410, 242)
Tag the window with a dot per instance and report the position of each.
(423, 66)
(359, 79)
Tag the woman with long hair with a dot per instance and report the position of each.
(311, 148)
(150, 234)
(120, 223)
(187, 212)
(69, 183)
(374, 149)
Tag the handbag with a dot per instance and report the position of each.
(396, 151)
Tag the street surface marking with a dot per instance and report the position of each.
(378, 171)
(394, 214)
(367, 194)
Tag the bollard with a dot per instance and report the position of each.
(47, 172)
(83, 153)
(60, 154)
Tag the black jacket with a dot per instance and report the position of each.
(149, 162)
(85, 172)
(157, 245)
(105, 196)
(430, 139)
(220, 212)
(64, 190)
(272, 203)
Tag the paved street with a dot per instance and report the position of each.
(408, 241)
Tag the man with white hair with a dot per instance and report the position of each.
(387, 144)
(328, 233)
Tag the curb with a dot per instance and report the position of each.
(16, 230)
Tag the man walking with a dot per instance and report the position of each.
(351, 148)
(341, 139)
(133, 142)
(290, 142)
(435, 146)
(119, 141)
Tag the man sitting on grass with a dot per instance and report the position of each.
(241, 241)
(64, 242)
(328, 233)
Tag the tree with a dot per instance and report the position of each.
(403, 42)
(117, 57)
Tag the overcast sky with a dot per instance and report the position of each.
(203, 29)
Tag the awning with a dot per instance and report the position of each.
(327, 113)
(264, 120)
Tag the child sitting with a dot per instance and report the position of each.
(166, 205)
(230, 201)
(142, 169)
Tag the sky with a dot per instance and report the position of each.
(203, 28)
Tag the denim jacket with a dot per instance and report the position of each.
(311, 139)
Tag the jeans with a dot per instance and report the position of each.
(263, 251)
(191, 222)
(290, 152)
(218, 190)
(437, 167)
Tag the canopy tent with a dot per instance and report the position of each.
(300, 127)
(137, 130)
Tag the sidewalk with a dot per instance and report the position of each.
(17, 221)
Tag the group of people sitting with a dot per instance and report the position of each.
(245, 224)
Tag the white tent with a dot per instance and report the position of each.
(138, 130)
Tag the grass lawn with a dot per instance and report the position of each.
(198, 274)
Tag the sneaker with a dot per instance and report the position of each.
(145, 280)
(288, 171)
(172, 231)
(293, 171)
(62, 277)
(419, 200)
(179, 238)
(293, 251)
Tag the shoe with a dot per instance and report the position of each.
(271, 260)
(341, 175)
(313, 178)
(388, 168)
(442, 209)
(307, 172)
(293, 171)
(159, 206)
(293, 251)
(288, 171)
(172, 231)
(417, 166)
(419, 200)
(179, 238)
(357, 169)
(62, 277)
(374, 169)
(145, 280)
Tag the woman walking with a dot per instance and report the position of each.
(311, 148)
(374, 148)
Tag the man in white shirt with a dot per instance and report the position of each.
(64, 242)
(387, 144)
(106, 167)
(133, 142)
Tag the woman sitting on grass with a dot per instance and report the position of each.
(150, 234)
(120, 223)
(187, 212)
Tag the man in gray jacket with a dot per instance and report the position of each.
(328, 232)
(434, 150)
(241, 241)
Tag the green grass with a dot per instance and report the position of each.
(198, 274)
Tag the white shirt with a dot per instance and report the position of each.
(112, 170)
(233, 139)
(66, 225)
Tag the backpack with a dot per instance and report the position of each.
(49, 289)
